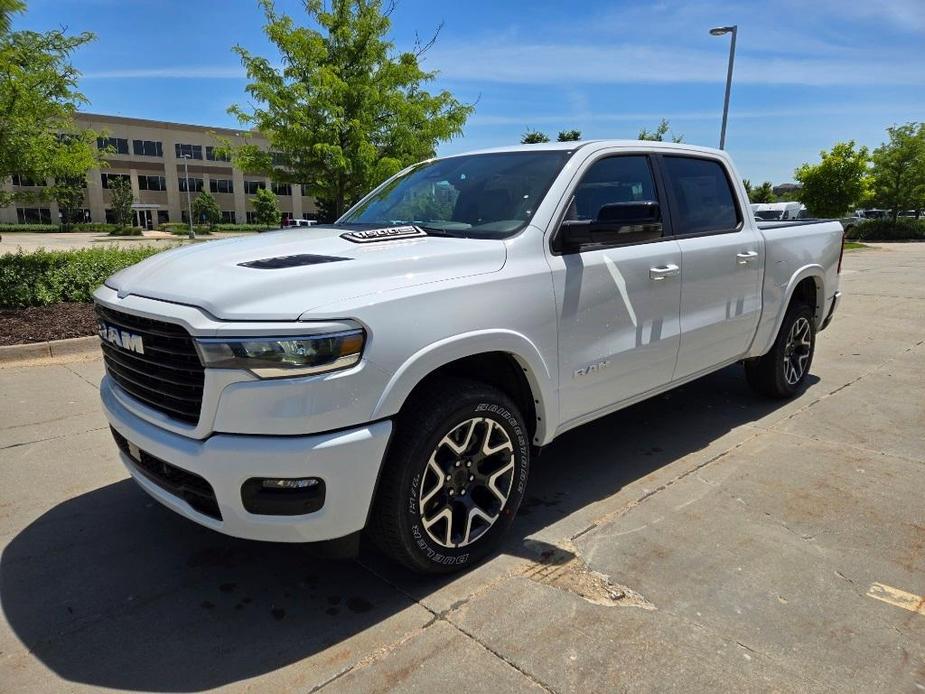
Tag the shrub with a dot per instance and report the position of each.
(903, 229)
(47, 277)
(56, 228)
(180, 229)
(126, 231)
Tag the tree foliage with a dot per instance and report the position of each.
(205, 209)
(836, 183)
(658, 135)
(763, 193)
(747, 184)
(38, 99)
(266, 208)
(533, 137)
(341, 110)
(569, 135)
(69, 194)
(897, 179)
(122, 199)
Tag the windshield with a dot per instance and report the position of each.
(478, 196)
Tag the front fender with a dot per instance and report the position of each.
(540, 375)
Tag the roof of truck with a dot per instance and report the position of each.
(568, 146)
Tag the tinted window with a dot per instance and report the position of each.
(615, 179)
(704, 199)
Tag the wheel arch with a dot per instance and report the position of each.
(806, 284)
(504, 359)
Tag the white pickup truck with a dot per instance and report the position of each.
(394, 372)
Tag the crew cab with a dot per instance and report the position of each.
(391, 375)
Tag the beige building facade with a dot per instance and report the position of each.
(159, 158)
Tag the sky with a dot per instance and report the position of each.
(808, 73)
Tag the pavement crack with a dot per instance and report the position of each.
(49, 438)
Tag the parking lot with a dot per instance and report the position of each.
(707, 539)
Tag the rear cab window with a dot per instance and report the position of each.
(704, 199)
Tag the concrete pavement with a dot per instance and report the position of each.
(703, 540)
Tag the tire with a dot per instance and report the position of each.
(782, 372)
(437, 463)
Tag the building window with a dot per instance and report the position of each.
(21, 180)
(212, 154)
(77, 180)
(282, 189)
(279, 159)
(191, 151)
(79, 215)
(119, 145)
(108, 178)
(228, 217)
(163, 217)
(251, 187)
(152, 183)
(33, 215)
(221, 185)
(148, 148)
(195, 184)
(251, 217)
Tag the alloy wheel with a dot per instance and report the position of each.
(797, 350)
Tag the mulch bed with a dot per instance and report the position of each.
(42, 323)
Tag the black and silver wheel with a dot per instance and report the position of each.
(782, 372)
(454, 477)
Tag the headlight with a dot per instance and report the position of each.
(276, 357)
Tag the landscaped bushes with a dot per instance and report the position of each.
(47, 277)
(180, 229)
(903, 229)
(56, 228)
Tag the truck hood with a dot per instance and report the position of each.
(303, 269)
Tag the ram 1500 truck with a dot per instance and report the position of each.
(393, 373)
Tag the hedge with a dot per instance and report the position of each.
(56, 228)
(47, 277)
(903, 229)
(182, 228)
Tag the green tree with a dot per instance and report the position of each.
(748, 188)
(569, 135)
(897, 178)
(836, 183)
(266, 208)
(122, 199)
(658, 135)
(206, 209)
(342, 112)
(763, 193)
(38, 99)
(69, 194)
(533, 137)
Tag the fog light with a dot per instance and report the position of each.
(282, 496)
(289, 483)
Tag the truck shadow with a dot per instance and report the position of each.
(108, 589)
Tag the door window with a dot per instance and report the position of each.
(704, 199)
(612, 180)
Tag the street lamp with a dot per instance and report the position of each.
(189, 203)
(720, 31)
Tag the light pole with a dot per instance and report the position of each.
(719, 31)
(189, 203)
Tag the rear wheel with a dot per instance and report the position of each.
(454, 477)
(782, 372)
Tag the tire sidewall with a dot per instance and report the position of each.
(430, 555)
(800, 311)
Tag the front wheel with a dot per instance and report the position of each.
(453, 479)
(782, 372)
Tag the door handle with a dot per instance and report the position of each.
(660, 273)
(746, 257)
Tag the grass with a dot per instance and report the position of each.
(854, 245)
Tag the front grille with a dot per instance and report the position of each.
(167, 376)
(188, 486)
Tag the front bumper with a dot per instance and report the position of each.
(348, 461)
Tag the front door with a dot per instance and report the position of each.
(618, 305)
(721, 260)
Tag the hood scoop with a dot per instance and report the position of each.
(284, 261)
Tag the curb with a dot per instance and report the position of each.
(55, 351)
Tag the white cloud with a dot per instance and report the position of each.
(182, 72)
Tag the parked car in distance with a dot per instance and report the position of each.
(291, 222)
(395, 373)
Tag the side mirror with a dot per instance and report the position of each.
(617, 223)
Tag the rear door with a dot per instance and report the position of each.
(721, 263)
(618, 303)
